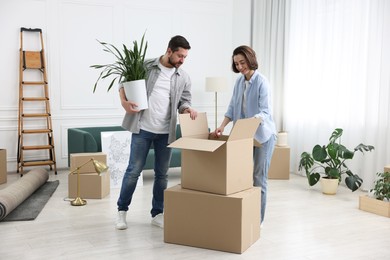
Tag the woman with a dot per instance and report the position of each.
(251, 98)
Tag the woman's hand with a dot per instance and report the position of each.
(217, 132)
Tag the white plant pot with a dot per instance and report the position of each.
(329, 186)
(136, 92)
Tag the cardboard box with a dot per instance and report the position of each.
(200, 219)
(78, 159)
(375, 206)
(222, 166)
(92, 185)
(387, 168)
(280, 164)
(3, 166)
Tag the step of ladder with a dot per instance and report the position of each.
(35, 99)
(34, 83)
(37, 131)
(36, 115)
(37, 147)
(38, 163)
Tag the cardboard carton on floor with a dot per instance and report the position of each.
(280, 164)
(222, 166)
(92, 185)
(386, 168)
(226, 223)
(3, 166)
(78, 159)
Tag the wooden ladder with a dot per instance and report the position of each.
(35, 130)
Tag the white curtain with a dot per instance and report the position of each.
(268, 42)
(337, 74)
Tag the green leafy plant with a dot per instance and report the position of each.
(329, 160)
(381, 188)
(129, 64)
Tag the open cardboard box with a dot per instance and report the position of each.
(221, 165)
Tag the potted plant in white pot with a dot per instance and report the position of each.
(330, 162)
(128, 69)
(378, 201)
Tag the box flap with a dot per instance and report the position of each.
(244, 128)
(196, 127)
(196, 144)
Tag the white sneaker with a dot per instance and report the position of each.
(158, 220)
(121, 221)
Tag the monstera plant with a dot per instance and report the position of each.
(329, 161)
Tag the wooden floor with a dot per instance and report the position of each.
(301, 223)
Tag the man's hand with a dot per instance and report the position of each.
(193, 113)
(130, 107)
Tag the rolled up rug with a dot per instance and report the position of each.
(14, 194)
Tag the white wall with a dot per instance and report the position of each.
(70, 29)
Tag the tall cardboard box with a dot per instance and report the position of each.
(78, 159)
(3, 166)
(221, 166)
(280, 164)
(227, 223)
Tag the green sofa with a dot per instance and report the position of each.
(88, 140)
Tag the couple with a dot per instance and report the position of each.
(169, 91)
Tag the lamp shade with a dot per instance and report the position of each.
(99, 166)
(216, 84)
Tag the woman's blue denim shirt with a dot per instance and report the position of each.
(258, 104)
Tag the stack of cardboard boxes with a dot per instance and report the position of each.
(92, 185)
(216, 205)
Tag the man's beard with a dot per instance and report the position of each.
(176, 65)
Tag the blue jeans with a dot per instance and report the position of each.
(140, 145)
(262, 159)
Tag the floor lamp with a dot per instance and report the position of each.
(99, 167)
(216, 84)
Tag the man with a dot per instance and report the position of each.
(169, 91)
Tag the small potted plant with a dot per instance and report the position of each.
(128, 69)
(328, 162)
(378, 201)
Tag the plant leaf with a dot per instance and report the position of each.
(319, 153)
(353, 182)
(313, 178)
(335, 135)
